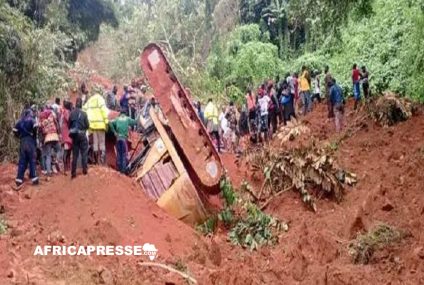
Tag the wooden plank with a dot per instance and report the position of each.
(168, 143)
(156, 153)
(154, 176)
(148, 187)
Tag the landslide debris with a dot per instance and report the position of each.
(291, 131)
(390, 109)
(248, 226)
(305, 169)
(365, 245)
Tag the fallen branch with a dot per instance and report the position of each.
(169, 268)
(275, 196)
(248, 190)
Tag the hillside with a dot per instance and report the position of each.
(107, 208)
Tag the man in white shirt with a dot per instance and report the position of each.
(225, 131)
(263, 106)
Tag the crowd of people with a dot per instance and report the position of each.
(59, 137)
(276, 103)
(56, 136)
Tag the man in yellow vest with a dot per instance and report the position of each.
(211, 117)
(97, 114)
(305, 90)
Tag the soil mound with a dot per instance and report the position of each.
(102, 208)
(388, 161)
(108, 208)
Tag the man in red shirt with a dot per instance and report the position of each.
(356, 77)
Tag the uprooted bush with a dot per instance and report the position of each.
(255, 228)
(304, 169)
(247, 225)
(390, 109)
(365, 245)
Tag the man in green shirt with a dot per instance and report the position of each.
(120, 127)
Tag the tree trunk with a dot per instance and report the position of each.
(281, 48)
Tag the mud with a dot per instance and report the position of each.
(107, 208)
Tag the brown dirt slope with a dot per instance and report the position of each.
(101, 208)
(105, 207)
(389, 163)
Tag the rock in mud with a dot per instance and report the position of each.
(12, 224)
(16, 232)
(11, 274)
(387, 206)
(106, 277)
(419, 251)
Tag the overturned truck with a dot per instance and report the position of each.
(178, 165)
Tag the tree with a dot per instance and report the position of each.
(276, 15)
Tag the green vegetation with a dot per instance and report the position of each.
(218, 48)
(38, 42)
(3, 226)
(388, 42)
(363, 247)
(256, 229)
(180, 265)
(248, 226)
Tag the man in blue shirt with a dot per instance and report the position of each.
(24, 130)
(337, 101)
(124, 101)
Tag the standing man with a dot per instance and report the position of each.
(365, 82)
(83, 94)
(336, 97)
(132, 103)
(50, 129)
(124, 102)
(328, 81)
(251, 109)
(120, 127)
(316, 87)
(78, 126)
(200, 113)
(287, 103)
(211, 117)
(57, 109)
(263, 108)
(66, 139)
(295, 80)
(305, 87)
(356, 77)
(25, 131)
(111, 102)
(273, 109)
(290, 79)
(233, 118)
(97, 114)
